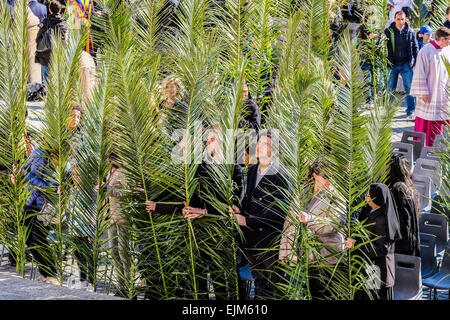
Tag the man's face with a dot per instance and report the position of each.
(426, 37)
(444, 41)
(245, 92)
(448, 16)
(400, 20)
(264, 149)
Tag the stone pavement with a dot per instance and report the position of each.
(14, 287)
(400, 124)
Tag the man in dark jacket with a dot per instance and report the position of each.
(55, 22)
(447, 16)
(263, 216)
(402, 53)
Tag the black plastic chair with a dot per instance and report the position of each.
(440, 280)
(404, 149)
(429, 153)
(428, 254)
(429, 168)
(417, 145)
(408, 280)
(437, 225)
(423, 186)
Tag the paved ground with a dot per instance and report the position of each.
(13, 287)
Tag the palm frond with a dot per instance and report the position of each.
(13, 149)
(61, 98)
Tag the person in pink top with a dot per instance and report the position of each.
(429, 86)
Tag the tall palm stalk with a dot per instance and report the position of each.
(137, 139)
(90, 217)
(194, 53)
(349, 140)
(61, 98)
(13, 81)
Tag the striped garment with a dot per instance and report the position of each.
(431, 78)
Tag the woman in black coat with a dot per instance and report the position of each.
(408, 206)
(382, 224)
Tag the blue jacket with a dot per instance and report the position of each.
(410, 38)
(38, 9)
(38, 173)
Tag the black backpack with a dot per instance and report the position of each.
(45, 43)
(35, 91)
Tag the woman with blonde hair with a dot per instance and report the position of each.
(172, 109)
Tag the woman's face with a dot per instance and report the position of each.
(321, 181)
(170, 91)
(74, 121)
(370, 202)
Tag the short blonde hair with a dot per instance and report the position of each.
(177, 83)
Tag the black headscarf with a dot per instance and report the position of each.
(381, 196)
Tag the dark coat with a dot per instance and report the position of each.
(56, 23)
(380, 251)
(263, 208)
(251, 116)
(410, 38)
(197, 200)
(447, 24)
(409, 244)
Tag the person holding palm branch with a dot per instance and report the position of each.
(199, 207)
(261, 216)
(321, 218)
(382, 224)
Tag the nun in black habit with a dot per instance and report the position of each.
(382, 223)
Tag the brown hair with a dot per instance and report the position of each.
(442, 32)
(399, 12)
(447, 11)
(54, 6)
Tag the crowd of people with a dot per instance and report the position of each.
(391, 211)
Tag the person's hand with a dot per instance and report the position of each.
(192, 213)
(426, 98)
(13, 180)
(372, 35)
(138, 190)
(241, 220)
(303, 217)
(150, 206)
(349, 243)
(234, 209)
(284, 261)
(58, 191)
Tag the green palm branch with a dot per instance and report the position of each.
(139, 144)
(90, 217)
(13, 149)
(61, 98)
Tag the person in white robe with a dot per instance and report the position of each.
(429, 86)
